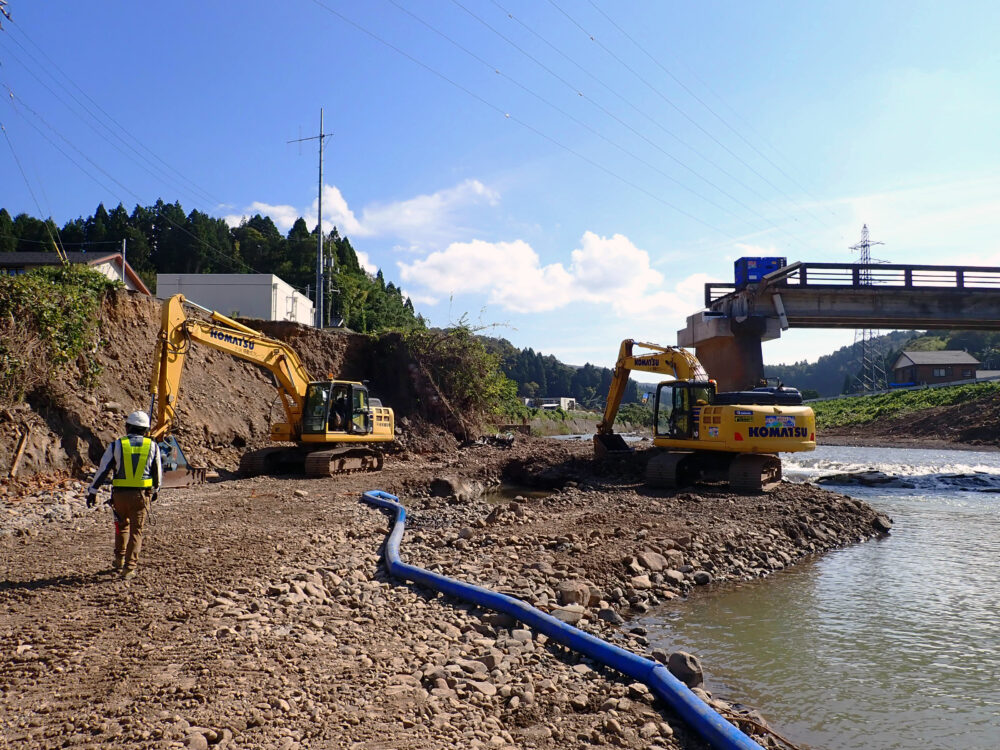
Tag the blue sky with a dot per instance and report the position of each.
(571, 171)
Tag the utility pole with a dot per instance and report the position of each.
(319, 245)
(872, 376)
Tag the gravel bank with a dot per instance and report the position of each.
(261, 617)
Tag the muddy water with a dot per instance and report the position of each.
(887, 645)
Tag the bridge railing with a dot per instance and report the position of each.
(841, 275)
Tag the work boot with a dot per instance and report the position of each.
(128, 574)
(119, 562)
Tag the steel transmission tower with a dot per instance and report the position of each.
(872, 369)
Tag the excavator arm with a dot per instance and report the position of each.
(177, 332)
(667, 360)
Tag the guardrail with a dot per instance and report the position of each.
(883, 275)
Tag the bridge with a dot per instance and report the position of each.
(728, 333)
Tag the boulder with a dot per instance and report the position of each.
(573, 592)
(686, 668)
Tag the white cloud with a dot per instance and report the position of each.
(608, 271)
(416, 220)
(365, 261)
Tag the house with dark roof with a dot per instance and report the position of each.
(934, 367)
(112, 265)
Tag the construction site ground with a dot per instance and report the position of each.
(262, 617)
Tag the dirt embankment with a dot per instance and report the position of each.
(225, 404)
(974, 425)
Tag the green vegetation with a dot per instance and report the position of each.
(48, 320)
(538, 375)
(859, 410)
(637, 414)
(468, 376)
(163, 239)
(836, 373)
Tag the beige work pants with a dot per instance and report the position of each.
(131, 507)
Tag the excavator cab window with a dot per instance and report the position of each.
(361, 415)
(678, 407)
(317, 405)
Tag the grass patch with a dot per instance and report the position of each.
(858, 410)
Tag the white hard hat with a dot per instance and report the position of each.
(138, 419)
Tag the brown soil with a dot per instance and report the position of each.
(221, 637)
(970, 426)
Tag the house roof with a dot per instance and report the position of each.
(943, 357)
(25, 260)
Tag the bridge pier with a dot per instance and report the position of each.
(730, 349)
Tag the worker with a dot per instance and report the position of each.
(134, 461)
(338, 414)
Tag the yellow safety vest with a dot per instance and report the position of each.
(133, 466)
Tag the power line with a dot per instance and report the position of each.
(113, 139)
(681, 112)
(652, 120)
(511, 117)
(698, 99)
(610, 114)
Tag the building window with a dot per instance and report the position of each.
(940, 372)
(966, 373)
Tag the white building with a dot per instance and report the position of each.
(111, 265)
(247, 295)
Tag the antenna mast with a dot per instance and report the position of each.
(872, 376)
(319, 228)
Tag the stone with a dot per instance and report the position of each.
(300, 493)
(486, 688)
(882, 523)
(573, 592)
(702, 577)
(570, 614)
(609, 615)
(653, 561)
(580, 702)
(686, 668)
(641, 583)
(196, 742)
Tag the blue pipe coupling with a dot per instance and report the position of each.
(704, 720)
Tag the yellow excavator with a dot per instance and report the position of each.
(333, 422)
(707, 436)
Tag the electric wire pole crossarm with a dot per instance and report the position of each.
(226, 335)
(666, 360)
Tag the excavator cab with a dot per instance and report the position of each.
(678, 407)
(336, 407)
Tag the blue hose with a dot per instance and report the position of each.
(714, 729)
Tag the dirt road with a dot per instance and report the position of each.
(261, 617)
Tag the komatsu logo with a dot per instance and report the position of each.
(647, 362)
(234, 340)
(777, 432)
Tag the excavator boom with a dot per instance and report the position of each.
(334, 437)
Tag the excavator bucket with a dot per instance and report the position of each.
(177, 472)
(609, 445)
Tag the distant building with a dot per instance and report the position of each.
(934, 367)
(563, 402)
(248, 295)
(110, 264)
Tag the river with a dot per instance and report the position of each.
(885, 645)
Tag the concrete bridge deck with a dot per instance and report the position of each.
(728, 333)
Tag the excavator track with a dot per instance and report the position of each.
(754, 472)
(668, 470)
(260, 462)
(342, 460)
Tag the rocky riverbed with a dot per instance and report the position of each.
(262, 617)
